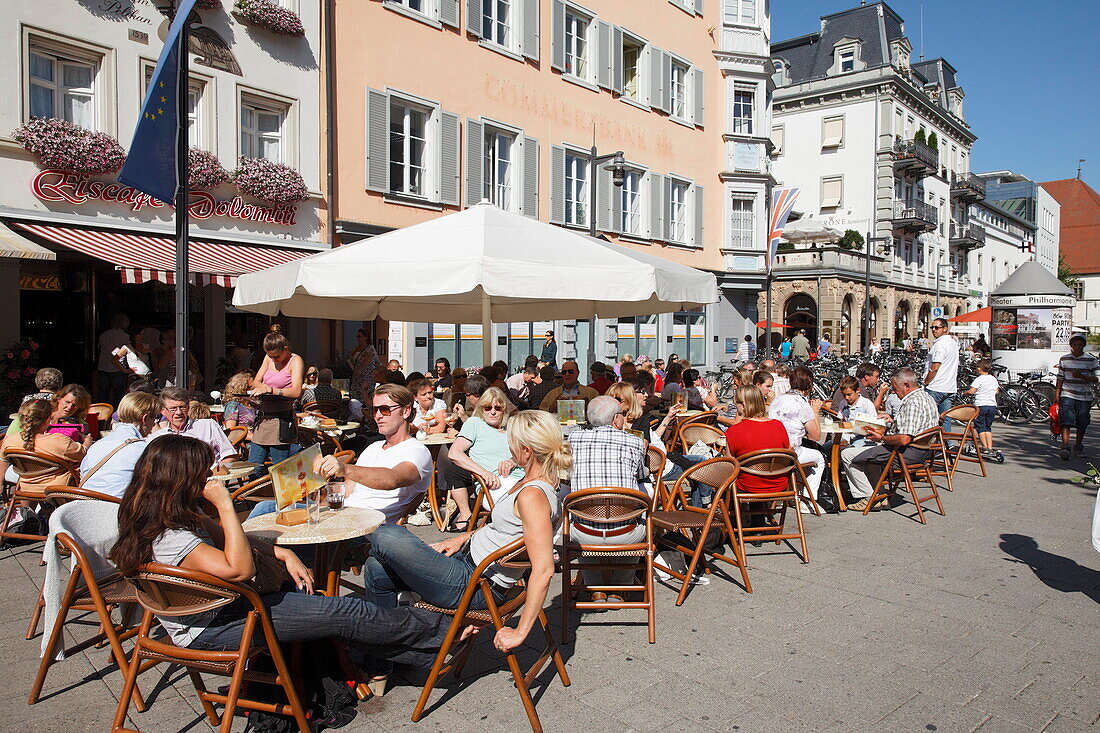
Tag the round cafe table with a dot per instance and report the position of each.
(434, 442)
(329, 533)
(841, 436)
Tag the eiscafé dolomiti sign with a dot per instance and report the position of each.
(73, 188)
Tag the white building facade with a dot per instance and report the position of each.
(253, 94)
(878, 144)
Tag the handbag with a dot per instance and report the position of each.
(1055, 422)
(271, 574)
(700, 449)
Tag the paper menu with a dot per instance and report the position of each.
(294, 478)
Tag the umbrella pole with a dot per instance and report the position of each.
(768, 308)
(486, 329)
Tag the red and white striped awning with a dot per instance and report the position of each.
(141, 258)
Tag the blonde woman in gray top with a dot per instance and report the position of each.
(531, 509)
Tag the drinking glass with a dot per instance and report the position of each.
(335, 495)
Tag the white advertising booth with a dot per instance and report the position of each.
(1032, 319)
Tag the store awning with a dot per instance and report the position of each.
(982, 315)
(19, 247)
(141, 258)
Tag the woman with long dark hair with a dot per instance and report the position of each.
(163, 518)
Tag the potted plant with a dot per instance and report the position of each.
(934, 141)
(269, 181)
(204, 170)
(852, 240)
(266, 14)
(921, 137)
(70, 148)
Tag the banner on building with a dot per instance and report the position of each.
(782, 203)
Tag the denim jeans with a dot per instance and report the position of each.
(944, 401)
(399, 560)
(277, 453)
(406, 635)
(700, 493)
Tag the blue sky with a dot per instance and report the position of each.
(1029, 69)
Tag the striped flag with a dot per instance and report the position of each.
(782, 202)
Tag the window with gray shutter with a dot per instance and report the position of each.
(617, 59)
(657, 80)
(474, 161)
(699, 218)
(604, 189)
(473, 17)
(666, 82)
(668, 226)
(700, 96)
(557, 184)
(448, 158)
(530, 37)
(699, 7)
(603, 60)
(557, 51)
(531, 177)
(656, 206)
(378, 141)
(448, 13)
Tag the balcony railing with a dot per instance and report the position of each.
(967, 187)
(835, 259)
(916, 157)
(915, 216)
(967, 236)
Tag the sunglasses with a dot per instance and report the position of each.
(569, 371)
(386, 410)
(495, 408)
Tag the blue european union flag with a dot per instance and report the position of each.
(151, 163)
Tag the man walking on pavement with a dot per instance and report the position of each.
(800, 346)
(1073, 393)
(941, 369)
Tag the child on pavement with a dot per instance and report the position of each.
(984, 388)
(1076, 377)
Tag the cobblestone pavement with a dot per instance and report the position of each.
(986, 619)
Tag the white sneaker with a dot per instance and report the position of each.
(420, 519)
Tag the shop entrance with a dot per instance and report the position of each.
(800, 313)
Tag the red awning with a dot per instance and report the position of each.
(141, 258)
(764, 324)
(982, 315)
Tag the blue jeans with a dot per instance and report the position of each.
(277, 453)
(406, 635)
(699, 492)
(944, 401)
(399, 560)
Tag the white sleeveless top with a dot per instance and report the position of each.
(505, 527)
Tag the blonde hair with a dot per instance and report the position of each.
(540, 433)
(33, 416)
(627, 393)
(238, 384)
(752, 399)
(198, 410)
(492, 396)
(135, 404)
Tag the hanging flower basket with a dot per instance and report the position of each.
(269, 181)
(204, 170)
(208, 4)
(70, 148)
(266, 14)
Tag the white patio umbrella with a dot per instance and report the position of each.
(810, 231)
(481, 265)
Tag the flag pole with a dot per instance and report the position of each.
(182, 213)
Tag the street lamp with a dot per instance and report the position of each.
(938, 268)
(865, 340)
(616, 163)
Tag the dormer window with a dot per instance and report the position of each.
(847, 61)
(846, 57)
(779, 75)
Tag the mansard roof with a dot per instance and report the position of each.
(874, 26)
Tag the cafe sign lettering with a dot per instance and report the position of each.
(54, 185)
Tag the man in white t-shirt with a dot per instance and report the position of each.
(941, 370)
(391, 474)
(112, 380)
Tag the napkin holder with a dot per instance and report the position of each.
(292, 517)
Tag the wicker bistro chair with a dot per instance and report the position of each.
(103, 411)
(657, 462)
(963, 415)
(84, 593)
(309, 436)
(606, 511)
(328, 408)
(709, 417)
(712, 436)
(771, 506)
(165, 590)
(237, 437)
(454, 652)
(719, 474)
(898, 473)
(29, 464)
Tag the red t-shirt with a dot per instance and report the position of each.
(749, 435)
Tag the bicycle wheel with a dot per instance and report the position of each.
(1041, 410)
(1044, 390)
(1012, 404)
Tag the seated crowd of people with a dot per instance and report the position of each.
(157, 458)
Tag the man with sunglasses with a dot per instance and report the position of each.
(570, 388)
(391, 473)
(175, 403)
(941, 371)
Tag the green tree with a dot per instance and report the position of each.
(920, 137)
(934, 141)
(852, 240)
(1065, 274)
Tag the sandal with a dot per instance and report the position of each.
(459, 525)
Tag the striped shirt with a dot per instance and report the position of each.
(1072, 371)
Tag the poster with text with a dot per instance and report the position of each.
(1033, 328)
(1061, 326)
(1004, 329)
